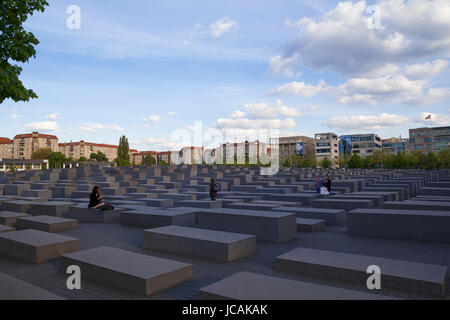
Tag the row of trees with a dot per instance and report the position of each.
(57, 159)
(413, 160)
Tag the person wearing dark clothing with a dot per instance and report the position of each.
(319, 184)
(327, 184)
(96, 200)
(213, 188)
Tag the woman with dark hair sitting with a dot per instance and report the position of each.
(96, 200)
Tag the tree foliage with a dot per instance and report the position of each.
(56, 160)
(41, 154)
(325, 163)
(149, 160)
(123, 158)
(99, 156)
(16, 44)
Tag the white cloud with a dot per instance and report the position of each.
(264, 111)
(300, 89)
(237, 114)
(314, 108)
(93, 127)
(222, 26)
(362, 122)
(394, 88)
(255, 123)
(46, 126)
(53, 116)
(171, 113)
(426, 70)
(436, 119)
(154, 118)
(159, 144)
(16, 116)
(288, 67)
(116, 127)
(341, 40)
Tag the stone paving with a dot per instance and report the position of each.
(235, 183)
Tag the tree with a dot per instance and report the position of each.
(41, 154)
(149, 160)
(123, 158)
(355, 162)
(444, 158)
(56, 160)
(83, 159)
(309, 162)
(431, 161)
(17, 45)
(325, 163)
(367, 162)
(99, 156)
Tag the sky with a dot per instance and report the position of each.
(160, 72)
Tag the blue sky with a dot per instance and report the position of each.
(148, 68)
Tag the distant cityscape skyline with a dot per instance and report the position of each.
(147, 69)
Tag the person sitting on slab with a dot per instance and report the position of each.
(96, 200)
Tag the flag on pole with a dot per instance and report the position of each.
(428, 117)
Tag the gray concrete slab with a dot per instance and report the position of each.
(34, 246)
(155, 217)
(397, 274)
(83, 214)
(50, 208)
(346, 204)
(252, 286)
(4, 228)
(310, 225)
(128, 270)
(331, 216)
(400, 224)
(9, 218)
(46, 223)
(207, 244)
(271, 226)
(417, 205)
(14, 289)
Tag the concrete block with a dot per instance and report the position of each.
(252, 286)
(46, 223)
(34, 246)
(127, 270)
(208, 244)
(396, 274)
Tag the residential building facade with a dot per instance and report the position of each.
(76, 150)
(327, 146)
(6, 148)
(138, 157)
(26, 144)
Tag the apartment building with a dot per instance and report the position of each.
(428, 140)
(188, 155)
(290, 146)
(26, 144)
(164, 156)
(76, 150)
(327, 146)
(6, 148)
(363, 144)
(393, 146)
(138, 157)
